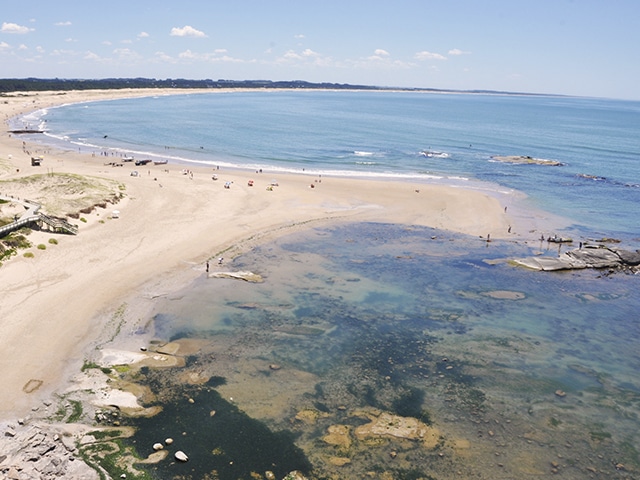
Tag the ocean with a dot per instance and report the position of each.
(522, 374)
(409, 135)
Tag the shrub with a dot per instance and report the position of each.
(16, 241)
(42, 246)
(53, 241)
(83, 220)
(28, 255)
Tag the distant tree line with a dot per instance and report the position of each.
(8, 85)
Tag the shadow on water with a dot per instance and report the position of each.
(221, 440)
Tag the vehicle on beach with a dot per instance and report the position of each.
(160, 162)
(143, 162)
(127, 158)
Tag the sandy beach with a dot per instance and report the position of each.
(170, 223)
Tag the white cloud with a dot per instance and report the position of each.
(62, 52)
(379, 52)
(188, 54)
(299, 36)
(91, 56)
(62, 24)
(213, 57)
(220, 50)
(14, 28)
(307, 52)
(291, 55)
(22, 46)
(39, 49)
(107, 43)
(186, 31)
(143, 35)
(457, 51)
(164, 57)
(69, 40)
(4, 46)
(424, 55)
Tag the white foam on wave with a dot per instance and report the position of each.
(434, 154)
(362, 153)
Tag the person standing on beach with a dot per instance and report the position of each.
(207, 266)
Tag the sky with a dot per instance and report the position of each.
(571, 47)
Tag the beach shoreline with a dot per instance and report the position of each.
(57, 304)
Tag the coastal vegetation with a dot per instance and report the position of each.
(63, 194)
(62, 85)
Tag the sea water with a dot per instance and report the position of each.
(524, 374)
(390, 135)
(521, 372)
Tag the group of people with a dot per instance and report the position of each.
(220, 260)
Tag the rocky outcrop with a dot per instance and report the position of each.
(526, 160)
(41, 451)
(589, 256)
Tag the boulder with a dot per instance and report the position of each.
(181, 456)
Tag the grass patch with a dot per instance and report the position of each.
(76, 411)
(6, 253)
(16, 240)
(111, 457)
(88, 365)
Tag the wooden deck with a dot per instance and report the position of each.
(33, 216)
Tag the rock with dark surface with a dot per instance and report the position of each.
(629, 258)
(595, 257)
(586, 257)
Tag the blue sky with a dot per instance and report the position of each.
(574, 47)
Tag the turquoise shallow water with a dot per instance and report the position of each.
(417, 322)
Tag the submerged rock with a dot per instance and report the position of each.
(526, 159)
(388, 425)
(246, 276)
